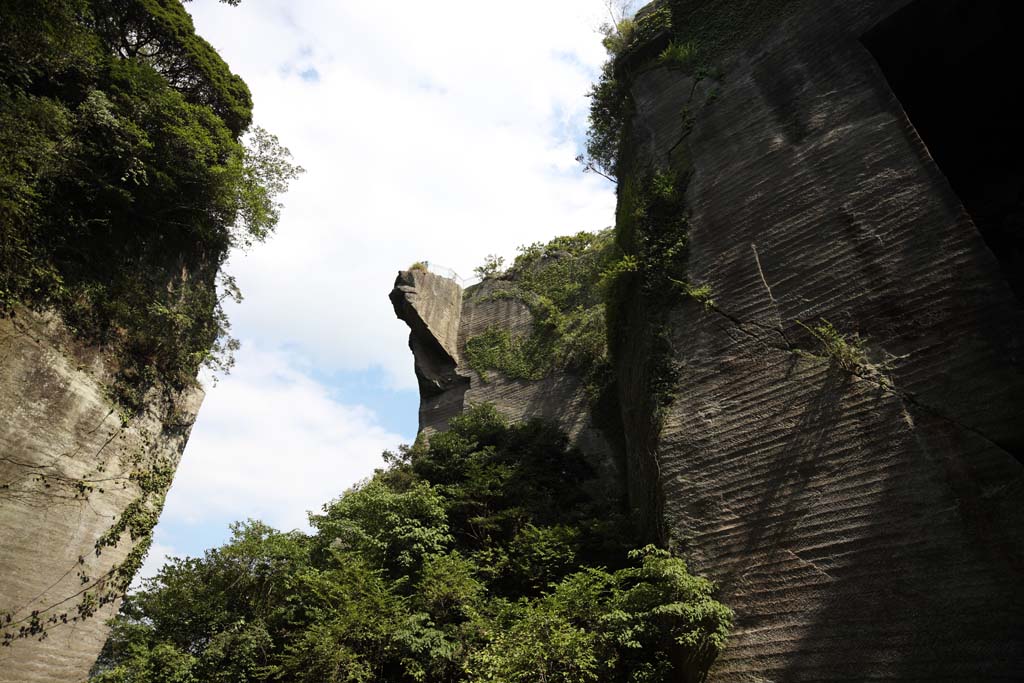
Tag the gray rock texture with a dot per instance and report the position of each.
(864, 525)
(432, 307)
(441, 317)
(863, 519)
(69, 468)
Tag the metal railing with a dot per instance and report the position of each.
(445, 271)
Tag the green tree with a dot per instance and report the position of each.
(479, 555)
(392, 530)
(491, 266)
(128, 173)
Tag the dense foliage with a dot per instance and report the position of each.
(562, 283)
(483, 554)
(124, 180)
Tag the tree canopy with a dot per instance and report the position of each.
(129, 170)
(483, 554)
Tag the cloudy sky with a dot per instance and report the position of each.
(429, 131)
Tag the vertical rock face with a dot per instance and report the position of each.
(71, 475)
(863, 519)
(432, 307)
(855, 489)
(441, 318)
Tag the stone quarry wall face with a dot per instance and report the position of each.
(59, 429)
(420, 297)
(560, 398)
(431, 306)
(862, 525)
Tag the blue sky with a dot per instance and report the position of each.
(441, 132)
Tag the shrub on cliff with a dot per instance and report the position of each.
(562, 284)
(126, 176)
(478, 555)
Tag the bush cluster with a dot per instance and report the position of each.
(478, 555)
(848, 351)
(562, 282)
(125, 179)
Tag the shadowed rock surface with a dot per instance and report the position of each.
(60, 433)
(864, 523)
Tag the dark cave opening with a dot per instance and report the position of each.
(955, 65)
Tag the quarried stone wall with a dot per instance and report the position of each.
(71, 470)
(420, 297)
(863, 522)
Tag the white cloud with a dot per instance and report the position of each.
(442, 132)
(271, 443)
(431, 131)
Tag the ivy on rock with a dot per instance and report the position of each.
(563, 284)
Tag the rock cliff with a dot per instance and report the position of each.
(442, 317)
(80, 488)
(842, 445)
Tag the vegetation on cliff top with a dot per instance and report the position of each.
(125, 179)
(683, 34)
(562, 282)
(478, 555)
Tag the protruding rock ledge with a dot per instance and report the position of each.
(431, 306)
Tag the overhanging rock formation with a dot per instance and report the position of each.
(441, 317)
(857, 497)
(432, 307)
(79, 491)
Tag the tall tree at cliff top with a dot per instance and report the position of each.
(129, 169)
